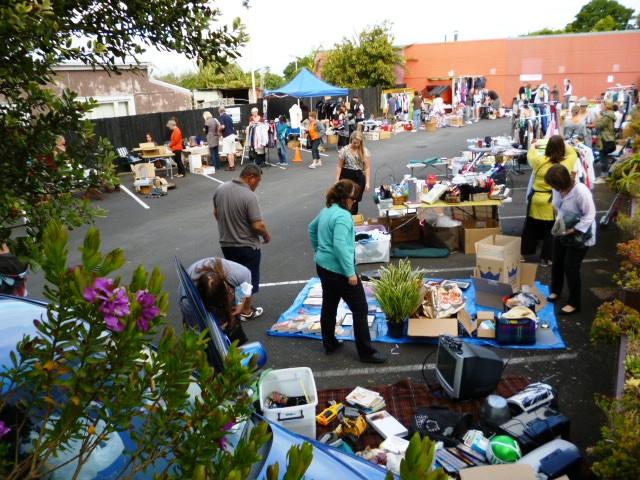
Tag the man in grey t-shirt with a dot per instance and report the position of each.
(240, 225)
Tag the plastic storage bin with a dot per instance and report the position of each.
(373, 250)
(292, 382)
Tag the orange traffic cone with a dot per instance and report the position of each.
(297, 158)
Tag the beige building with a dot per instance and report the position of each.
(132, 92)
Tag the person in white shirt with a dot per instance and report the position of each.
(568, 91)
(574, 205)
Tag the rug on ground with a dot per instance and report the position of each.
(304, 317)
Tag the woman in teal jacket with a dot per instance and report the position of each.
(333, 239)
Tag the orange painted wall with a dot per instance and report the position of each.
(586, 59)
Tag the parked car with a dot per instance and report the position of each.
(109, 461)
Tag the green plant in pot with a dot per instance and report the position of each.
(399, 292)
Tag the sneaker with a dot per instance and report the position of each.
(179, 175)
(283, 164)
(545, 263)
(600, 180)
(313, 165)
(255, 313)
(230, 169)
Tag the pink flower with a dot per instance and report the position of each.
(113, 323)
(114, 302)
(149, 310)
(3, 429)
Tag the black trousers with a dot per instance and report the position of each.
(315, 153)
(358, 177)
(335, 287)
(533, 232)
(177, 157)
(566, 263)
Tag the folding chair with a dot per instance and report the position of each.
(126, 159)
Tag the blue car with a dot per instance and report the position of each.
(108, 461)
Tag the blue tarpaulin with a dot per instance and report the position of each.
(546, 338)
(305, 85)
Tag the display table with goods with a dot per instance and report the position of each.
(471, 420)
(472, 309)
(463, 210)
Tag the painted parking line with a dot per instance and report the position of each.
(214, 179)
(366, 371)
(520, 217)
(134, 196)
(428, 270)
(309, 151)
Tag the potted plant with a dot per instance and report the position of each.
(628, 277)
(399, 292)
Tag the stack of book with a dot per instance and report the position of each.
(386, 425)
(457, 458)
(366, 400)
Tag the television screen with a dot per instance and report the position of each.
(466, 371)
(446, 362)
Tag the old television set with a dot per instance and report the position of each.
(465, 370)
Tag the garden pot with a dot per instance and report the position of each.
(631, 298)
(396, 329)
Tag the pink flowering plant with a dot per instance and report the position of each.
(89, 373)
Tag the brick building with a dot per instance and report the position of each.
(592, 61)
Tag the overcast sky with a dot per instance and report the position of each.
(283, 29)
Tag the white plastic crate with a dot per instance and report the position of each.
(292, 382)
(373, 251)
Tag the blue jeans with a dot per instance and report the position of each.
(416, 119)
(215, 157)
(282, 153)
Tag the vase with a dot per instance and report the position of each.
(396, 329)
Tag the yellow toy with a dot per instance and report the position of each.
(329, 414)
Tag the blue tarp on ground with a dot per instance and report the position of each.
(305, 85)
(546, 338)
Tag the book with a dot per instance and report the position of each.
(386, 424)
(363, 397)
(347, 321)
(395, 445)
(313, 301)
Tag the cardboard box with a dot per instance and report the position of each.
(482, 317)
(432, 327)
(332, 139)
(385, 135)
(293, 144)
(358, 220)
(490, 293)
(475, 230)
(498, 259)
(371, 136)
(508, 471)
(463, 213)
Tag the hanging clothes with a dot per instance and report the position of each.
(295, 116)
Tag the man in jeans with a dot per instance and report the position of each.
(240, 225)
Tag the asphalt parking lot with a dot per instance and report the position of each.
(181, 224)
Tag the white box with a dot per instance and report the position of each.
(292, 382)
(208, 170)
(195, 161)
(373, 251)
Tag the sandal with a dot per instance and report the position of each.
(255, 313)
(230, 169)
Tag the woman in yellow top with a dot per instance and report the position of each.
(540, 214)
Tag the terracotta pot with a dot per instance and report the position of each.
(396, 329)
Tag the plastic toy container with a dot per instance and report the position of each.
(292, 382)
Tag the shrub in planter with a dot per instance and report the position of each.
(399, 292)
(614, 319)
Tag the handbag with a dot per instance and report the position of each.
(516, 327)
(576, 240)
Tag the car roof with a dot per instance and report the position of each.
(17, 315)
